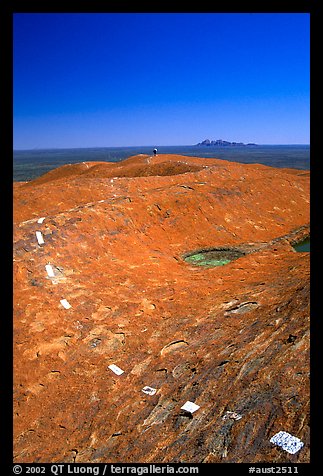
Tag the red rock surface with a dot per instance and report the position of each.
(230, 338)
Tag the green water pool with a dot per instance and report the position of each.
(303, 246)
(211, 258)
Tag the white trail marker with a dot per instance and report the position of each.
(50, 271)
(115, 369)
(40, 238)
(190, 407)
(232, 415)
(149, 390)
(288, 442)
(65, 303)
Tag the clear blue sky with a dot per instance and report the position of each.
(127, 79)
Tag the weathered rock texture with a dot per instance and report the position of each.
(231, 338)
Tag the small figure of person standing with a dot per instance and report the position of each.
(155, 151)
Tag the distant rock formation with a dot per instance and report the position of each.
(225, 143)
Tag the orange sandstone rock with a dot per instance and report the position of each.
(233, 338)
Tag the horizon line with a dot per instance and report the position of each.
(252, 144)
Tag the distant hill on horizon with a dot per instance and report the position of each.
(224, 143)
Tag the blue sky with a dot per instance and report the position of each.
(128, 79)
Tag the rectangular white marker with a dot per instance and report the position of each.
(190, 407)
(41, 220)
(65, 303)
(50, 271)
(115, 369)
(232, 415)
(288, 442)
(40, 238)
(149, 390)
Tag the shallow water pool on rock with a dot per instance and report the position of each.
(213, 257)
(303, 246)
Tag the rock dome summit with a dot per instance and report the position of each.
(124, 351)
